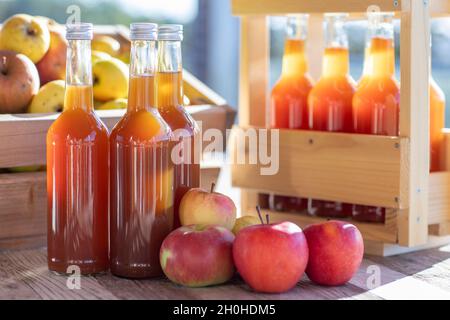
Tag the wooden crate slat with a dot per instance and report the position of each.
(350, 168)
(386, 232)
(355, 7)
(23, 199)
(22, 136)
(414, 118)
(439, 197)
(266, 7)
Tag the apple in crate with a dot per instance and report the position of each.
(19, 82)
(53, 65)
(199, 206)
(198, 255)
(271, 258)
(335, 252)
(50, 98)
(25, 34)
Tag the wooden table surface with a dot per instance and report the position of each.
(418, 275)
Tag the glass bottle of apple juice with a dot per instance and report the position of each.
(77, 169)
(185, 153)
(141, 170)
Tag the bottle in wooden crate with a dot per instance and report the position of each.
(186, 153)
(437, 123)
(377, 97)
(330, 100)
(288, 102)
(77, 169)
(141, 170)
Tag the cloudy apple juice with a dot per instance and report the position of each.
(77, 170)
(141, 170)
(185, 154)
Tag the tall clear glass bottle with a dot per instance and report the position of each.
(186, 153)
(78, 169)
(141, 170)
(330, 100)
(288, 99)
(377, 98)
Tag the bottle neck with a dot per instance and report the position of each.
(169, 76)
(294, 61)
(79, 94)
(381, 57)
(141, 94)
(335, 62)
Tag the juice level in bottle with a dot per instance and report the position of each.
(77, 186)
(141, 184)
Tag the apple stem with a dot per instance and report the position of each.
(258, 209)
(267, 218)
(3, 66)
(213, 185)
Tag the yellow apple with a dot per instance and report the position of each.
(25, 34)
(245, 221)
(50, 98)
(110, 79)
(98, 55)
(106, 44)
(120, 103)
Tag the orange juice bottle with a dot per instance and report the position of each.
(288, 99)
(185, 154)
(330, 100)
(437, 123)
(141, 170)
(377, 97)
(77, 169)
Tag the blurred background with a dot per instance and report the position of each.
(212, 35)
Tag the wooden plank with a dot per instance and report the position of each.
(439, 197)
(253, 71)
(30, 268)
(23, 201)
(377, 248)
(414, 118)
(266, 7)
(386, 232)
(22, 136)
(440, 229)
(352, 168)
(24, 274)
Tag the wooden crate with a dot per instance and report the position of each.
(391, 172)
(23, 196)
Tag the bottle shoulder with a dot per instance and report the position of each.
(143, 125)
(178, 118)
(79, 124)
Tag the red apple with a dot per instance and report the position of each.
(271, 257)
(53, 65)
(198, 255)
(199, 206)
(335, 252)
(19, 82)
